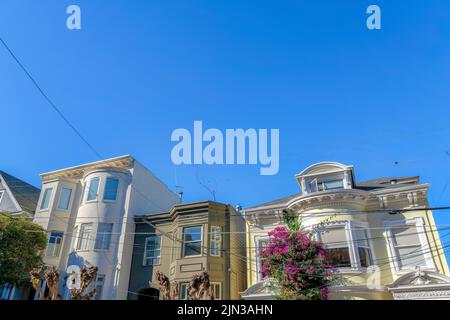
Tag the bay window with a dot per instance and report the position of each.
(192, 241)
(337, 249)
(347, 244)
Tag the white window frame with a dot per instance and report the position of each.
(59, 199)
(117, 191)
(56, 250)
(349, 227)
(2, 192)
(184, 242)
(257, 240)
(49, 199)
(219, 284)
(394, 258)
(81, 238)
(88, 189)
(186, 285)
(104, 236)
(219, 241)
(145, 258)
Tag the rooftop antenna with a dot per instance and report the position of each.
(212, 191)
(178, 188)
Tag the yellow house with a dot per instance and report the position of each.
(379, 234)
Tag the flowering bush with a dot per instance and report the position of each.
(298, 264)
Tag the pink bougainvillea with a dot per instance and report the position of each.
(298, 264)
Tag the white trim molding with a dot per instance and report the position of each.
(425, 249)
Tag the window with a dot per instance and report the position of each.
(183, 295)
(215, 241)
(93, 189)
(336, 246)
(64, 198)
(111, 189)
(46, 198)
(333, 184)
(407, 246)
(85, 236)
(217, 289)
(54, 244)
(99, 282)
(103, 238)
(323, 185)
(192, 241)
(261, 245)
(363, 247)
(152, 251)
(1, 195)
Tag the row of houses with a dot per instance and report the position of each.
(117, 215)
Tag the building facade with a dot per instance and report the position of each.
(190, 238)
(379, 234)
(89, 211)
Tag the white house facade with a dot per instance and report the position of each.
(89, 211)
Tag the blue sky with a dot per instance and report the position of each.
(137, 70)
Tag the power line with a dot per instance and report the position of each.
(46, 97)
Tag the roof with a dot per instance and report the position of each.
(369, 185)
(281, 201)
(25, 194)
(125, 161)
(386, 183)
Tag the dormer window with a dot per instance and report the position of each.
(325, 185)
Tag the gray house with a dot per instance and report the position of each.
(16, 197)
(190, 238)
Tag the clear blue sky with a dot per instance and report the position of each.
(140, 69)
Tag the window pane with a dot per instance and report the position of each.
(64, 198)
(335, 184)
(85, 236)
(46, 198)
(192, 249)
(111, 189)
(411, 257)
(405, 235)
(215, 240)
(365, 257)
(339, 257)
(54, 244)
(334, 237)
(363, 246)
(152, 251)
(103, 238)
(93, 189)
(193, 234)
(183, 291)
